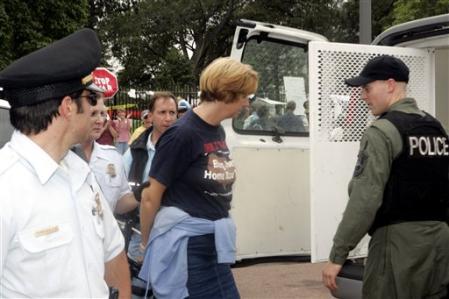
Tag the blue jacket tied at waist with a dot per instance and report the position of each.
(165, 263)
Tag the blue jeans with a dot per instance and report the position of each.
(206, 278)
(134, 250)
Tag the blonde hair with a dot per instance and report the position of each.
(225, 79)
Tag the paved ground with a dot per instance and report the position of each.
(281, 280)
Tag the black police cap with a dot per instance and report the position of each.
(56, 70)
(381, 68)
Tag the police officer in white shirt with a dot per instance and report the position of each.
(107, 165)
(58, 235)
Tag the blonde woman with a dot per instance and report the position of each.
(192, 241)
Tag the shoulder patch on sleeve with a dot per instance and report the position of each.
(362, 158)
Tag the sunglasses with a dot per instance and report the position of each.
(92, 98)
(251, 98)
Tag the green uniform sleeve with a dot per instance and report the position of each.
(379, 145)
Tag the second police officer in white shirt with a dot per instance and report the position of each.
(107, 165)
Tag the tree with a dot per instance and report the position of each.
(408, 10)
(29, 25)
(386, 13)
(152, 35)
(320, 16)
(349, 19)
(163, 38)
(101, 9)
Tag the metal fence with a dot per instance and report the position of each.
(134, 101)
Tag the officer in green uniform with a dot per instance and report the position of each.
(399, 193)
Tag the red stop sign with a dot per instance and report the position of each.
(106, 80)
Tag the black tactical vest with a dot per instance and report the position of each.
(418, 185)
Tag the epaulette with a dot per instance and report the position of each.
(8, 158)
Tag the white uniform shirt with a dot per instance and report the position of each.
(107, 165)
(57, 231)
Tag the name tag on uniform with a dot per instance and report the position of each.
(46, 231)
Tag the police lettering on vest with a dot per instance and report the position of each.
(417, 187)
(428, 146)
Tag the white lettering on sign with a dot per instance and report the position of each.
(103, 83)
(428, 146)
(106, 80)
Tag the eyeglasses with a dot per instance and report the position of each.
(251, 98)
(92, 98)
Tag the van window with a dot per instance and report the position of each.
(5, 127)
(281, 103)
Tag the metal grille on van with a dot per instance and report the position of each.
(343, 116)
(338, 120)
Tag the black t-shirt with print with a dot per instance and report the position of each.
(192, 161)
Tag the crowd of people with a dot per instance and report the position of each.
(119, 125)
(69, 169)
(259, 118)
(78, 169)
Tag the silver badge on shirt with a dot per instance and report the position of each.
(110, 170)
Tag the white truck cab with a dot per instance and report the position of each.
(5, 126)
(292, 183)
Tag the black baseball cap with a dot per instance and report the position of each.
(57, 70)
(381, 68)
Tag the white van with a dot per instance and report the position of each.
(292, 184)
(5, 126)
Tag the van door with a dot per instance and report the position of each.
(338, 119)
(271, 200)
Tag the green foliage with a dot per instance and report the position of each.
(175, 69)
(145, 37)
(381, 16)
(30, 25)
(102, 9)
(386, 13)
(408, 10)
(161, 43)
(169, 40)
(6, 33)
(320, 16)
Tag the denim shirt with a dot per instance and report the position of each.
(165, 263)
